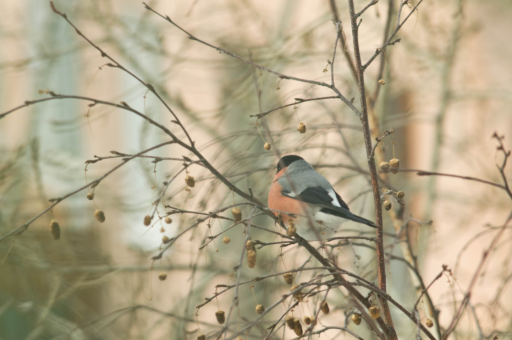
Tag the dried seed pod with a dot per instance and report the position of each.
(356, 318)
(55, 229)
(90, 196)
(226, 239)
(297, 327)
(382, 82)
(288, 277)
(251, 254)
(429, 323)
(249, 245)
(374, 312)
(307, 320)
(147, 220)
(251, 258)
(387, 205)
(400, 194)
(221, 316)
(267, 146)
(292, 230)
(384, 166)
(260, 309)
(201, 337)
(325, 307)
(394, 164)
(166, 240)
(162, 276)
(237, 214)
(100, 215)
(168, 220)
(298, 294)
(302, 128)
(290, 322)
(191, 182)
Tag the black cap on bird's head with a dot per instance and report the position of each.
(285, 161)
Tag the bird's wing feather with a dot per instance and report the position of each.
(322, 198)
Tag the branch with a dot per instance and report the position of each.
(476, 275)
(389, 328)
(297, 101)
(373, 2)
(389, 42)
(469, 178)
(119, 66)
(263, 68)
(92, 184)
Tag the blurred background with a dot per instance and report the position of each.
(448, 88)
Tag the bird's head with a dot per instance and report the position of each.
(285, 161)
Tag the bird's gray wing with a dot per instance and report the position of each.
(302, 182)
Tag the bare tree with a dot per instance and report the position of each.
(233, 269)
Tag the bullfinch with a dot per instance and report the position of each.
(301, 194)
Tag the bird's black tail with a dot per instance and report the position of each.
(344, 213)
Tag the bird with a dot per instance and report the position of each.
(301, 197)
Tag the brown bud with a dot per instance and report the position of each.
(302, 128)
(297, 327)
(387, 205)
(298, 294)
(226, 239)
(429, 323)
(260, 309)
(55, 229)
(290, 322)
(168, 220)
(267, 146)
(165, 240)
(249, 245)
(191, 182)
(374, 312)
(251, 254)
(100, 215)
(201, 337)
(325, 307)
(382, 82)
(251, 258)
(400, 194)
(237, 214)
(307, 320)
(288, 277)
(90, 196)
(147, 220)
(162, 276)
(292, 230)
(394, 164)
(221, 316)
(356, 318)
(384, 166)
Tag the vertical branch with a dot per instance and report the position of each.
(381, 266)
(382, 63)
(445, 95)
(343, 39)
